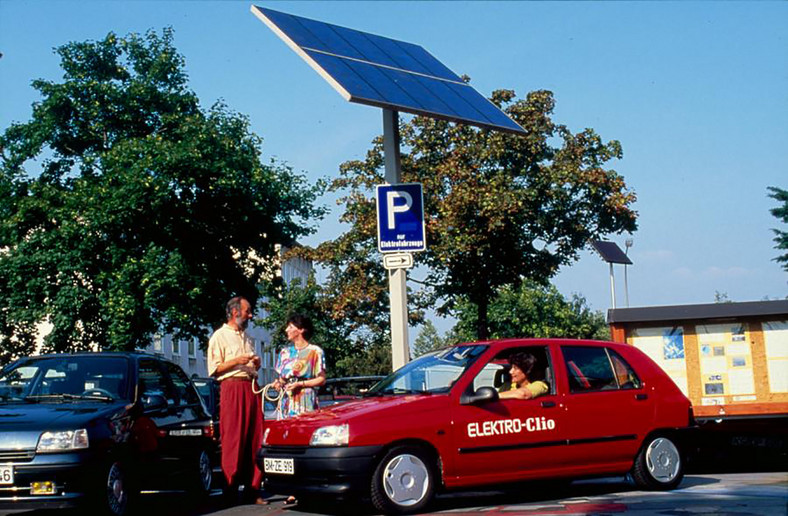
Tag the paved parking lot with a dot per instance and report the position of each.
(754, 494)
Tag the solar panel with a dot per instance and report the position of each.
(610, 252)
(383, 72)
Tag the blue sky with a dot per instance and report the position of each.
(697, 93)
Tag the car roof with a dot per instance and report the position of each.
(134, 355)
(356, 378)
(97, 354)
(534, 341)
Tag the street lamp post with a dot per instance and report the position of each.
(627, 244)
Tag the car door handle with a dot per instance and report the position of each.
(641, 397)
(548, 404)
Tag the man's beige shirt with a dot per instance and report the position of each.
(227, 343)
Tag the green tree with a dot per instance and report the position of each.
(534, 310)
(372, 358)
(781, 212)
(350, 350)
(282, 301)
(499, 208)
(127, 209)
(427, 340)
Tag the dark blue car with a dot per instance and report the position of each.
(100, 427)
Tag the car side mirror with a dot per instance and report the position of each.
(482, 395)
(154, 402)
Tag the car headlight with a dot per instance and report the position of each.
(335, 435)
(63, 441)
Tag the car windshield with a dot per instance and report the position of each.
(65, 378)
(432, 373)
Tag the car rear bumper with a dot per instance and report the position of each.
(336, 471)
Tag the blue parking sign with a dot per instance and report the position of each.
(400, 218)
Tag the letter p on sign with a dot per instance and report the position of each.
(393, 208)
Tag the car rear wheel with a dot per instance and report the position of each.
(203, 475)
(404, 481)
(658, 465)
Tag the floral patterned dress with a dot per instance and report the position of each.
(301, 365)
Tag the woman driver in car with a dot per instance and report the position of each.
(526, 382)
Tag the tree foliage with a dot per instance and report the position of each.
(781, 212)
(348, 352)
(427, 340)
(498, 208)
(533, 310)
(128, 209)
(282, 301)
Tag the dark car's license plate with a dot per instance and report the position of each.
(6, 474)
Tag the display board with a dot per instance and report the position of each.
(665, 346)
(775, 334)
(725, 363)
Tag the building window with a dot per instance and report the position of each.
(157, 345)
(193, 348)
(176, 347)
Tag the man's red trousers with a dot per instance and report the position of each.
(241, 427)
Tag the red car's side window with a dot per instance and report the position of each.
(598, 369)
(625, 375)
(578, 376)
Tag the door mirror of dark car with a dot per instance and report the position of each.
(482, 395)
(154, 402)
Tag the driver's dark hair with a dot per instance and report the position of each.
(527, 364)
(233, 304)
(302, 322)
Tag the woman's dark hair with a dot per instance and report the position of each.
(526, 362)
(302, 322)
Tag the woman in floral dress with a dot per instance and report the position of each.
(300, 368)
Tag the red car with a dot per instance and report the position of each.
(438, 423)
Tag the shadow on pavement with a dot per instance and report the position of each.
(740, 446)
(728, 447)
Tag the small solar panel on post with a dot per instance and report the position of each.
(611, 253)
(395, 76)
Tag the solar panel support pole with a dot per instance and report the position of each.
(398, 293)
(612, 286)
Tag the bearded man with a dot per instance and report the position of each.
(233, 362)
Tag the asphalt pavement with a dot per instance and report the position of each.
(740, 494)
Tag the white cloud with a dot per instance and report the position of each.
(659, 255)
(727, 272)
(683, 272)
(714, 272)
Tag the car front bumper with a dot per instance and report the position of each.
(336, 471)
(72, 475)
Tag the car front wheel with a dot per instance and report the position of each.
(115, 494)
(658, 465)
(404, 481)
